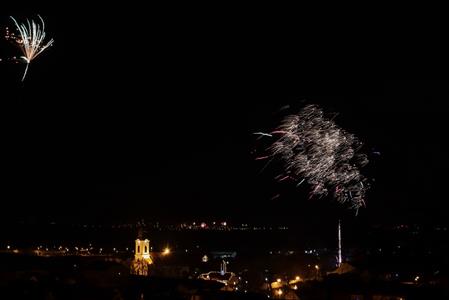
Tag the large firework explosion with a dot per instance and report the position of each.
(30, 40)
(313, 149)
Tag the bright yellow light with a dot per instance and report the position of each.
(279, 280)
(297, 278)
(317, 267)
(416, 278)
(295, 287)
(166, 251)
(279, 292)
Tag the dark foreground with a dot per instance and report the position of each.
(32, 277)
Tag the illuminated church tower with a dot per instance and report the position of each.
(142, 250)
(142, 258)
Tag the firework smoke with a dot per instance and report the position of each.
(314, 149)
(30, 40)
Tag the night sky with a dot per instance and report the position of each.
(151, 116)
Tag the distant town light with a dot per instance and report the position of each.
(166, 251)
(279, 280)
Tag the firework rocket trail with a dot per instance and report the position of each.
(30, 40)
(315, 150)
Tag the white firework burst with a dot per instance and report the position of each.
(314, 149)
(31, 40)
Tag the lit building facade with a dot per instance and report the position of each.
(142, 258)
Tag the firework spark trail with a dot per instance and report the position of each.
(275, 197)
(315, 150)
(284, 178)
(262, 157)
(262, 134)
(30, 40)
(299, 183)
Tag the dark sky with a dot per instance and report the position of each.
(135, 115)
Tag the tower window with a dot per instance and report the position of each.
(138, 249)
(145, 249)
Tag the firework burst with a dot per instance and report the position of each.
(30, 40)
(313, 149)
